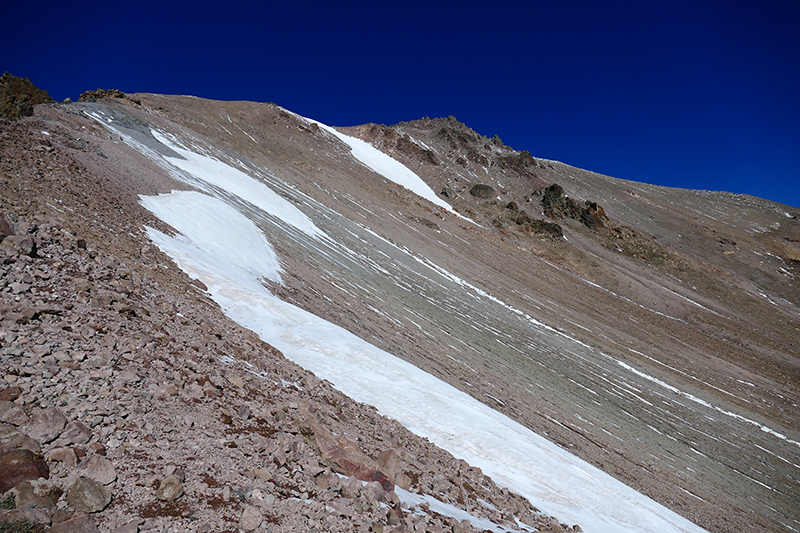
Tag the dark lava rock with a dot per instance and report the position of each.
(482, 191)
(557, 205)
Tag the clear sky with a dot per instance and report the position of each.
(696, 94)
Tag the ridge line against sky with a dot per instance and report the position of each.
(700, 96)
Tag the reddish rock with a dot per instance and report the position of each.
(77, 524)
(75, 433)
(12, 439)
(10, 394)
(343, 455)
(20, 465)
(64, 455)
(46, 425)
(100, 469)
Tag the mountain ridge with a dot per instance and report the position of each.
(720, 307)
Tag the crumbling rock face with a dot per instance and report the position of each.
(99, 94)
(557, 205)
(18, 96)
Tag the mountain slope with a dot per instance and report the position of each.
(655, 339)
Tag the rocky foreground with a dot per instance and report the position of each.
(128, 402)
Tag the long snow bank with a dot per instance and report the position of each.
(387, 167)
(213, 235)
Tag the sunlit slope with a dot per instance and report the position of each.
(665, 374)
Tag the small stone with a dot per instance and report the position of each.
(251, 518)
(88, 496)
(170, 489)
(194, 391)
(264, 474)
(66, 456)
(130, 527)
(10, 394)
(97, 448)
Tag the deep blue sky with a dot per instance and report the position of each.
(697, 94)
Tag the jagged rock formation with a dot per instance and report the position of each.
(18, 96)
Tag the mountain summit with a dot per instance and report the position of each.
(200, 289)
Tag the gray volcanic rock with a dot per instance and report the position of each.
(88, 496)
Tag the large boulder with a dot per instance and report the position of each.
(88, 496)
(20, 465)
(342, 455)
(482, 191)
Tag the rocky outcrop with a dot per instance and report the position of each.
(18, 96)
(557, 205)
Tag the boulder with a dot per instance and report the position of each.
(28, 495)
(13, 439)
(46, 425)
(77, 524)
(482, 191)
(11, 413)
(20, 244)
(341, 454)
(251, 518)
(75, 433)
(88, 496)
(100, 469)
(20, 465)
(38, 516)
(170, 489)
